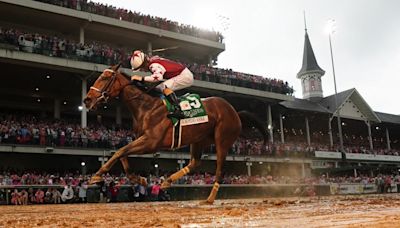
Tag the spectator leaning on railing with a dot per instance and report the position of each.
(100, 53)
(136, 17)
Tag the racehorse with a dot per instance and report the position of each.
(154, 130)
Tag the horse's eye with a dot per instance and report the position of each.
(105, 78)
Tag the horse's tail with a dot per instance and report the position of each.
(250, 120)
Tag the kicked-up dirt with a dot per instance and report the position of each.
(331, 211)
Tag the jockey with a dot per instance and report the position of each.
(177, 77)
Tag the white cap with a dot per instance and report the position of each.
(137, 59)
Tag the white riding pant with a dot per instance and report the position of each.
(181, 81)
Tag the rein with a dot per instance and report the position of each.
(104, 92)
(104, 95)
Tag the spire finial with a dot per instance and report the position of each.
(305, 22)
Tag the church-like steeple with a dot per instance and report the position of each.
(309, 62)
(310, 73)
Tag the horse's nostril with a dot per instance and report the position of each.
(86, 100)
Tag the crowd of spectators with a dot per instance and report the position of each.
(295, 140)
(255, 147)
(77, 180)
(29, 130)
(137, 18)
(30, 188)
(56, 46)
(39, 188)
(229, 77)
(71, 187)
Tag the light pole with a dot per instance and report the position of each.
(331, 30)
(156, 168)
(83, 164)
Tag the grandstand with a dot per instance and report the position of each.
(49, 60)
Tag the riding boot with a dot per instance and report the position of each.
(173, 99)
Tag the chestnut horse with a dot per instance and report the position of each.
(154, 130)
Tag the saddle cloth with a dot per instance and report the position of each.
(192, 107)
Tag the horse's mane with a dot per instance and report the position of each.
(125, 74)
(143, 87)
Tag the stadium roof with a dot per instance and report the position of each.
(310, 64)
(306, 105)
(329, 101)
(328, 105)
(388, 118)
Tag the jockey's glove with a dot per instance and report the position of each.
(137, 78)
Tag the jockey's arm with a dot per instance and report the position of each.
(157, 71)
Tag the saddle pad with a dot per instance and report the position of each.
(192, 108)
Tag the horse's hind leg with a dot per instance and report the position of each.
(196, 150)
(129, 173)
(221, 155)
(224, 139)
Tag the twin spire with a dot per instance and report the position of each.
(309, 60)
(310, 72)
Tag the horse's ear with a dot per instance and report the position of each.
(117, 66)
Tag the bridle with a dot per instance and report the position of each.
(104, 93)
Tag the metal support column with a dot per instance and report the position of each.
(57, 108)
(181, 162)
(281, 128)
(270, 128)
(388, 139)
(82, 35)
(249, 164)
(84, 110)
(330, 132)
(308, 131)
(371, 145)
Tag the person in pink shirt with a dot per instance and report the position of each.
(39, 196)
(155, 190)
(62, 138)
(42, 136)
(24, 197)
(16, 197)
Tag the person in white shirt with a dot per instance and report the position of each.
(68, 194)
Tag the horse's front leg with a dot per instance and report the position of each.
(141, 145)
(130, 175)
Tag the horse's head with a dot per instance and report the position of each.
(107, 85)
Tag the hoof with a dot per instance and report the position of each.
(95, 180)
(206, 202)
(166, 184)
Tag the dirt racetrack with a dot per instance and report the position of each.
(332, 211)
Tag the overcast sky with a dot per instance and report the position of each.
(266, 37)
